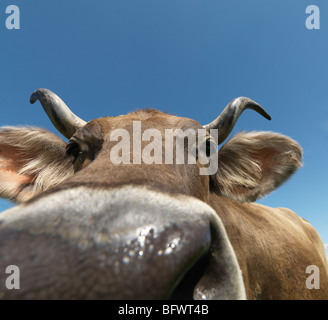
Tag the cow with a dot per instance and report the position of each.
(88, 228)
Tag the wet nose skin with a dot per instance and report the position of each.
(153, 251)
(152, 241)
(125, 243)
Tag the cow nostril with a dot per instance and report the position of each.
(185, 288)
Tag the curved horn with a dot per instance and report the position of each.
(65, 121)
(229, 116)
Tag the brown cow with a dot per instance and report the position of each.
(89, 227)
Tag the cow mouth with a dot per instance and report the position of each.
(187, 287)
(215, 275)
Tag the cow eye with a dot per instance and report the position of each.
(206, 147)
(73, 149)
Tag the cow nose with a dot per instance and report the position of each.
(122, 243)
(154, 241)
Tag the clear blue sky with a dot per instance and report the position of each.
(186, 57)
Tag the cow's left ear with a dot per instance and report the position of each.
(251, 165)
(32, 160)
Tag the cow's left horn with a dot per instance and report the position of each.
(65, 121)
(229, 116)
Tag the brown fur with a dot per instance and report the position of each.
(273, 246)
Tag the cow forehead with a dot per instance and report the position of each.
(149, 118)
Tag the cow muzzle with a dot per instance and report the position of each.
(123, 243)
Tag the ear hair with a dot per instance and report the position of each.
(251, 165)
(31, 160)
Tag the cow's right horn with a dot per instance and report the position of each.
(229, 116)
(65, 121)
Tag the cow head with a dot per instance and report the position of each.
(107, 216)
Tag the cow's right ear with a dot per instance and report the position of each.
(253, 164)
(31, 160)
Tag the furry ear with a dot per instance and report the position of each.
(251, 165)
(31, 160)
